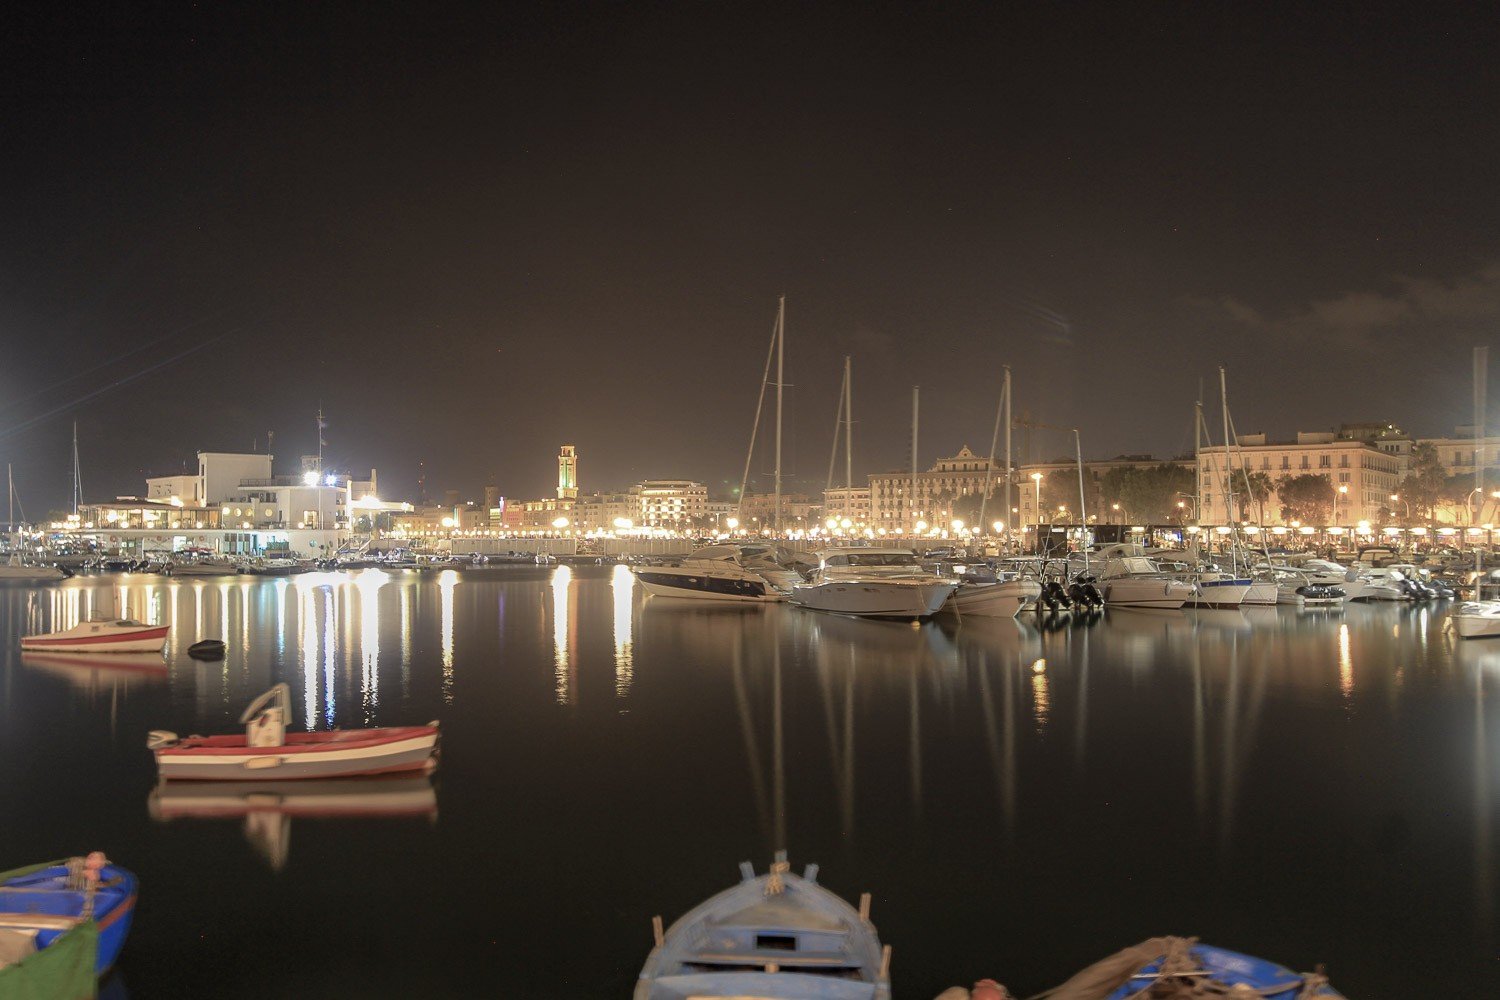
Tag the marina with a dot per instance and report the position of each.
(980, 777)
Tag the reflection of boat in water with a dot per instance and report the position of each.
(268, 807)
(772, 936)
(1181, 967)
(85, 670)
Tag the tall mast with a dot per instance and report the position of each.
(912, 505)
(994, 443)
(838, 430)
(10, 483)
(848, 425)
(1009, 469)
(760, 403)
(77, 488)
(780, 380)
(1083, 515)
(1197, 457)
(1228, 476)
(1481, 383)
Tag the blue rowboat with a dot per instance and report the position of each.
(62, 924)
(1156, 966)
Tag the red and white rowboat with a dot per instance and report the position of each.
(111, 635)
(267, 752)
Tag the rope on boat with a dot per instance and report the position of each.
(774, 884)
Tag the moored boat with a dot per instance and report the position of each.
(873, 583)
(710, 573)
(1181, 967)
(1476, 619)
(62, 925)
(993, 598)
(776, 936)
(1134, 582)
(267, 752)
(109, 635)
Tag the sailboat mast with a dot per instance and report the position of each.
(780, 385)
(760, 403)
(912, 504)
(1197, 457)
(1008, 467)
(848, 425)
(77, 486)
(994, 443)
(1481, 383)
(1228, 475)
(1083, 514)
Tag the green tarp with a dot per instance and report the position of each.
(64, 970)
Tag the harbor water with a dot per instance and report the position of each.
(1311, 787)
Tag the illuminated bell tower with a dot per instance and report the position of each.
(567, 473)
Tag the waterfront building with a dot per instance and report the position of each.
(757, 511)
(851, 504)
(898, 501)
(1362, 472)
(674, 504)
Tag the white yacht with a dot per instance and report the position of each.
(711, 573)
(1476, 619)
(1356, 587)
(873, 583)
(1135, 582)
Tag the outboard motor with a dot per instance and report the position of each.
(1054, 597)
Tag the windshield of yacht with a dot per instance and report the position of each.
(872, 559)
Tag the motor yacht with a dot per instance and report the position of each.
(1476, 619)
(710, 573)
(873, 583)
(1136, 582)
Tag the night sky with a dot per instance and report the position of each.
(473, 233)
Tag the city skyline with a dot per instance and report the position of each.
(471, 234)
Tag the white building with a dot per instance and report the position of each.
(1363, 474)
(672, 503)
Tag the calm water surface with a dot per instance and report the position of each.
(1308, 787)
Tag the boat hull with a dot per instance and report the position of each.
(144, 640)
(994, 600)
(875, 598)
(1476, 625)
(42, 893)
(1145, 593)
(305, 756)
(1262, 592)
(704, 586)
(1220, 593)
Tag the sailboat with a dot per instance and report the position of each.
(14, 570)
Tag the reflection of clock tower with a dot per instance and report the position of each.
(567, 473)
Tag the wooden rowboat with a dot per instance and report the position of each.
(267, 752)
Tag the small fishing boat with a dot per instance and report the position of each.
(1168, 967)
(101, 635)
(267, 752)
(62, 925)
(776, 936)
(1476, 619)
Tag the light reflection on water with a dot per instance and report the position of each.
(1227, 738)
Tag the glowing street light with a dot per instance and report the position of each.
(733, 523)
(560, 523)
(309, 478)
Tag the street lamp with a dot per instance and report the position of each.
(1036, 477)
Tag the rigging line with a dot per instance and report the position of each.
(117, 359)
(27, 424)
(838, 421)
(759, 404)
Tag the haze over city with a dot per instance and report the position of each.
(471, 234)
